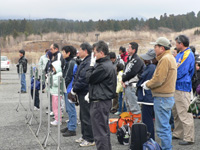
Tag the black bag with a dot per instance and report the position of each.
(139, 136)
(123, 134)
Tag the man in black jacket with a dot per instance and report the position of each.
(22, 63)
(130, 77)
(56, 54)
(80, 87)
(102, 89)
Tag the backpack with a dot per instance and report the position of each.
(123, 134)
(139, 136)
(151, 145)
(128, 118)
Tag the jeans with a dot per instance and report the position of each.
(131, 100)
(162, 109)
(120, 99)
(71, 110)
(23, 82)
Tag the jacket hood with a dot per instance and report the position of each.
(57, 66)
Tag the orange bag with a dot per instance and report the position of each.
(128, 118)
(113, 125)
(124, 118)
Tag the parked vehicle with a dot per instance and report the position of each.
(5, 63)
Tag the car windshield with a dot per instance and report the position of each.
(3, 58)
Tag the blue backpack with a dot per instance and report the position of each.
(151, 145)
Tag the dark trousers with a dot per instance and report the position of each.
(86, 126)
(147, 118)
(99, 112)
(115, 104)
(36, 100)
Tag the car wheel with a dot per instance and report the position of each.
(7, 69)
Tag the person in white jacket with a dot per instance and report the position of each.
(43, 60)
(57, 72)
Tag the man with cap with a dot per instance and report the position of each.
(162, 86)
(183, 121)
(145, 96)
(23, 63)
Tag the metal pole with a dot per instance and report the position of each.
(35, 78)
(41, 83)
(29, 91)
(48, 130)
(20, 73)
(59, 79)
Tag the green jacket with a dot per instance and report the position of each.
(57, 66)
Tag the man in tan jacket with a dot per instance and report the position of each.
(162, 86)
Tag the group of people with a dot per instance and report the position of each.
(160, 81)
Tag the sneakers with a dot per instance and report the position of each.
(69, 133)
(55, 123)
(86, 143)
(35, 108)
(64, 130)
(80, 140)
(117, 113)
(51, 113)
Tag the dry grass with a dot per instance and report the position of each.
(36, 44)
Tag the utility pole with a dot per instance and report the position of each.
(97, 35)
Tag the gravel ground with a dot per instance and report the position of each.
(17, 135)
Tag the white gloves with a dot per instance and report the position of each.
(144, 85)
(72, 92)
(93, 59)
(87, 98)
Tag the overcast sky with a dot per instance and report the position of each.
(94, 9)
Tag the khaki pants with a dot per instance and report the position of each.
(183, 121)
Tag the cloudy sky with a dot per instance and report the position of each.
(94, 9)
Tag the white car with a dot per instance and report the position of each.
(5, 63)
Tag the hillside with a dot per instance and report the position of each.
(34, 45)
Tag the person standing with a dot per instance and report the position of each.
(23, 63)
(123, 53)
(183, 121)
(145, 96)
(130, 77)
(69, 71)
(80, 87)
(43, 60)
(56, 54)
(162, 86)
(102, 80)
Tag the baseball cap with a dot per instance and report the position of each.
(149, 55)
(163, 42)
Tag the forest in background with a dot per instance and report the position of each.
(38, 27)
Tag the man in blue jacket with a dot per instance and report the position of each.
(183, 121)
(80, 88)
(69, 71)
